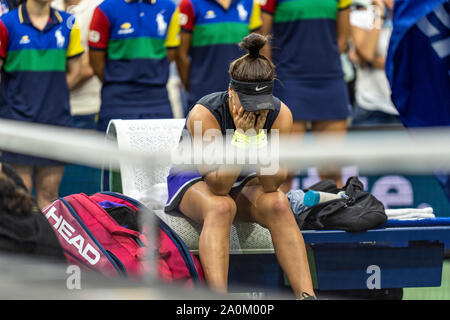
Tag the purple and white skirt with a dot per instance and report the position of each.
(178, 182)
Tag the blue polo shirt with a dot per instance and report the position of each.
(34, 86)
(135, 36)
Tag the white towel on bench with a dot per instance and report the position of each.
(410, 213)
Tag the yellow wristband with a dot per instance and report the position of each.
(240, 140)
(259, 141)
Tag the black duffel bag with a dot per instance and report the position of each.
(357, 211)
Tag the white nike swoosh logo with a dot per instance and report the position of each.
(259, 89)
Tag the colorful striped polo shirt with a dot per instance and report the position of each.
(215, 34)
(136, 36)
(34, 86)
(304, 41)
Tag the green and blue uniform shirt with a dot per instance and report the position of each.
(135, 36)
(34, 85)
(307, 57)
(216, 33)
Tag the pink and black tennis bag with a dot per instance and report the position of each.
(102, 233)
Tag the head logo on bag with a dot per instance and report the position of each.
(102, 233)
(67, 232)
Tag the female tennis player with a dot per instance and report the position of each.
(215, 197)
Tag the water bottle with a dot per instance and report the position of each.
(313, 198)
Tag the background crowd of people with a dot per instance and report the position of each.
(82, 63)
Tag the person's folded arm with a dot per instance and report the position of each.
(73, 73)
(283, 124)
(379, 62)
(97, 62)
(86, 71)
(182, 58)
(219, 177)
(343, 29)
(365, 39)
(365, 42)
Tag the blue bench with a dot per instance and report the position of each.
(400, 257)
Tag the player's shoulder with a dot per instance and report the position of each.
(208, 105)
(213, 100)
(282, 108)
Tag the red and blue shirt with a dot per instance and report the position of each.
(34, 85)
(216, 33)
(135, 36)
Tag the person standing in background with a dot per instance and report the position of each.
(308, 37)
(216, 195)
(371, 22)
(85, 97)
(131, 44)
(210, 33)
(40, 49)
(418, 67)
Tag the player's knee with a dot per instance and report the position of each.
(222, 210)
(278, 206)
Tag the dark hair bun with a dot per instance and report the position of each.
(252, 67)
(253, 43)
